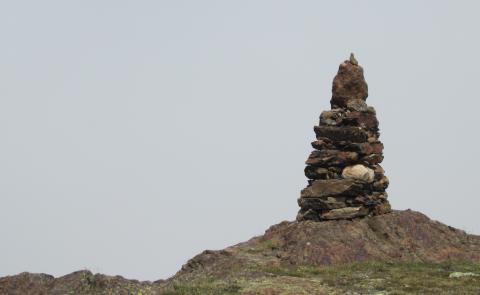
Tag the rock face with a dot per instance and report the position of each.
(345, 177)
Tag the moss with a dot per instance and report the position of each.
(207, 286)
(391, 278)
(264, 246)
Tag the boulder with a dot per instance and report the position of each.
(348, 84)
(359, 172)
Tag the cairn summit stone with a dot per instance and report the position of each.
(345, 179)
(348, 84)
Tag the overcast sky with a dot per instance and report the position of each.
(136, 134)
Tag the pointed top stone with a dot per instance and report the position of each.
(353, 60)
(348, 84)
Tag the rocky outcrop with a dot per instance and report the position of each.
(345, 177)
(394, 237)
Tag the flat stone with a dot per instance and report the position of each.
(321, 204)
(345, 213)
(372, 159)
(371, 200)
(348, 84)
(361, 119)
(344, 133)
(327, 158)
(332, 187)
(363, 148)
(312, 172)
(323, 144)
(359, 172)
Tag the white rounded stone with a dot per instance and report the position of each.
(358, 172)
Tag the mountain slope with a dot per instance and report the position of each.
(396, 251)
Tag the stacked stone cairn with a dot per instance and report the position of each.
(346, 180)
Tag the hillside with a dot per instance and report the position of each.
(403, 252)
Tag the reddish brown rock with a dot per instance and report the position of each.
(361, 119)
(347, 133)
(349, 84)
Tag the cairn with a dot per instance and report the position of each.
(345, 177)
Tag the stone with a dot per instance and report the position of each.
(382, 184)
(326, 158)
(383, 208)
(352, 59)
(308, 214)
(346, 133)
(313, 172)
(372, 159)
(359, 172)
(348, 84)
(345, 213)
(365, 148)
(361, 119)
(324, 143)
(357, 105)
(332, 187)
(321, 204)
(379, 171)
(331, 118)
(458, 274)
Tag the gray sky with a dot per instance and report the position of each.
(135, 134)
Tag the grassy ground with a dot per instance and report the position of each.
(357, 278)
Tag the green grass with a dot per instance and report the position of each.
(390, 278)
(207, 286)
(395, 278)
